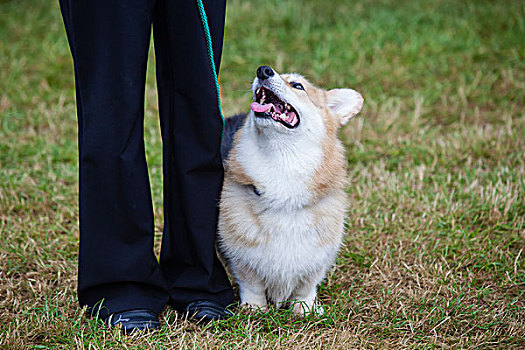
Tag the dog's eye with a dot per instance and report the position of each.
(297, 86)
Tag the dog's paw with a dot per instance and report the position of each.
(254, 307)
(302, 309)
(318, 309)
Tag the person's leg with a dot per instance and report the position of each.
(191, 131)
(109, 41)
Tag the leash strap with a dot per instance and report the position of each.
(209, 47)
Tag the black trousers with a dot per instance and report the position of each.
(109, 41)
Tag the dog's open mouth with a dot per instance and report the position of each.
(268, 105)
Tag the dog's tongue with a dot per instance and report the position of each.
(259, 108)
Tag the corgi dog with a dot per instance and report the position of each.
(283, 203)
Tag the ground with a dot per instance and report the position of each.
(434, 249)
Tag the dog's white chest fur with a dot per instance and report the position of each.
(282, 171)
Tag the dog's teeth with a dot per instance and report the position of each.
(263, 97)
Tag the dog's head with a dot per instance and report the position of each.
(289, 104)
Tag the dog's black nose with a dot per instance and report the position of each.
(264, 72)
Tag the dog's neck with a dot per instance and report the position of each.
(282, 149)
(281, 165)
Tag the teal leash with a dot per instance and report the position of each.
(209, 47)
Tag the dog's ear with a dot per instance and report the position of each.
(344, 103)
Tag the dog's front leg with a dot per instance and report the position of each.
(304, 298)
(252, 295)
(251, 290)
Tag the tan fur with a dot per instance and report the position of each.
(229, 222)
(328, 220)
(313, 93)
(234, 169)
(332, 172)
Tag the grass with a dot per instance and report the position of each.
(434, 255)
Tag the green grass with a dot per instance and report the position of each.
(434, 255)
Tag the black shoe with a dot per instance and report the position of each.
(134, 320)
(204, 311)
